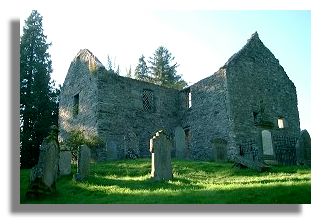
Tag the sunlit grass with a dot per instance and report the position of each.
(128, 182)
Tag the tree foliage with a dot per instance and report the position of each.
(161, 70)
(129, 72)
(77, 137)
(111, 66)
(141, 70)
(38, 97)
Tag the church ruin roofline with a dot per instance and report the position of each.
(254, 43)
(86, 56)
(254, 38)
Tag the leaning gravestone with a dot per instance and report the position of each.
(65, 163)
(160, 147)
(43, 176)
(179, 142)
(83, 163)
(303, 149)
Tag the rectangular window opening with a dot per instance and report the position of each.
(188, 99)
(255, 117)
(281, 122)
(148, 100)
(75, 108)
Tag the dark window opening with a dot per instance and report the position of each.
(255, 117)
(75, 109)
(188, 139)
(148, 100)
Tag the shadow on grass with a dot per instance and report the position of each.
(279, 194)
(128, 182)
(144, 184)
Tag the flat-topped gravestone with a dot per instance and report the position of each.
(83, 163)
(179, 140)
(43, 176)
(111, 148)
(65, 163)
(160, 147)
(303, 148)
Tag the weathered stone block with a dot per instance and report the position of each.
(65, 163)
(43, 176)
(303, 149)
(179, 142)
(83, 164)
(160, 147)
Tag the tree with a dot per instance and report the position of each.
(129, 72)
(111, 67)
(141, 70)
(163, 69)
(38, 97)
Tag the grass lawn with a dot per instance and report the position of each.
(128, 182)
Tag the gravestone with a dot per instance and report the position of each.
(111, 148)
(83, 163)
(131, 145)
(179, 140)
(303, 148)
(267, 143)
(160, 147)
(43, 176)
(219, 149)
(65, 163)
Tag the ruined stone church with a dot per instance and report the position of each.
(247, 108)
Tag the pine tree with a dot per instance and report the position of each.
(38, 97)
(129, 72)
(141, 70)
(111, 67)
(163, 69)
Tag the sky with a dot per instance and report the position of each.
(200, 40)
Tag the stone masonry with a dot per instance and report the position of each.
(250, 98)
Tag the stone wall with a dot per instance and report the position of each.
(260, 93)
(228, 112)
(207, 118)
(81, 81)
(126, 121)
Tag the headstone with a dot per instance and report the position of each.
(267, 143)
(240, 161)
(64, 163)
(179, 142)
(112, 152)
(131, 145)
(43, 176)
(219, 149)
(160, 147)
(83, 163)
(303, 148)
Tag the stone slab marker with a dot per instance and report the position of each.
(83, 163)
(160, 147)
(303, 148)
(43, 176)
(179, 142)
(64, 163)
(111, 148)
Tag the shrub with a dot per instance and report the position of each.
(77, 137)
